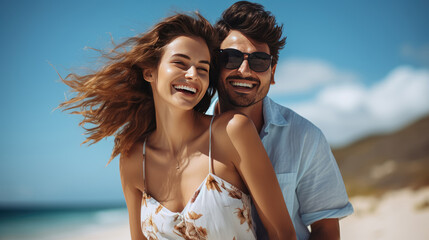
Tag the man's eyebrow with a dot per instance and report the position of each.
(187, 57)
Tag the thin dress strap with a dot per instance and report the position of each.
(144, 164)
(210, 146)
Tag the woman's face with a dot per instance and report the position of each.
(182, 76)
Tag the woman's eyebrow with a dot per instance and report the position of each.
(187, 57)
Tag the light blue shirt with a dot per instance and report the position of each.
(308, 174)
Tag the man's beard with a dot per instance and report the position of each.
(240, 101)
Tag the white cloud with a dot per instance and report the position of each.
(347, 111)
(300, 75)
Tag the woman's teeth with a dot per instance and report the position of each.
(241, 84)
(186, 88)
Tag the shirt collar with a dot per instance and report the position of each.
(272, 113)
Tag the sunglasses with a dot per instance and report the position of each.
(233, 58)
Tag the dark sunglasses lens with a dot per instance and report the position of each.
(231, 58)
(259, 61)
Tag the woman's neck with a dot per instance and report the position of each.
(175, 128)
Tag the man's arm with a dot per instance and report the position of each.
(321, 191)
(325, 229)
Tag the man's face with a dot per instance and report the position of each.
(243, 87)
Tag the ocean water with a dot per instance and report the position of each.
(58, 223)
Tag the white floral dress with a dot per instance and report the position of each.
(217, 210)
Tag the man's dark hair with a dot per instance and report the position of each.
(253, 21)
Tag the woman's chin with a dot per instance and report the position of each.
(186, 103)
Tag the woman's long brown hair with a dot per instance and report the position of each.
(116, 100)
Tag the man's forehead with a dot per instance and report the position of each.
(237, 40)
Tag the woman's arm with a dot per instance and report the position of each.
(258, 174)
(133, 196)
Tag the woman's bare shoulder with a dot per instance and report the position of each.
(131, 163)
(232, 124)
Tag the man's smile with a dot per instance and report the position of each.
(242, 85)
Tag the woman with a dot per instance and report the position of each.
(185, 175)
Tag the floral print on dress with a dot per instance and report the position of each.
(145, 198)
(212, 184)
(189, 231)
(244, 215)
(215, 206)
(233, 191)
(193, 215)
(158, 209)
(149, 229)
(195, 196)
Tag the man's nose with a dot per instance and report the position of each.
(244, 68)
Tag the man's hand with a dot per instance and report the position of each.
(328, 229)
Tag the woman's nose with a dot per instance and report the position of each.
(191, 72)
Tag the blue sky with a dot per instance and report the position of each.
(353, 68)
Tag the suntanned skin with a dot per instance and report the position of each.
(325, 229)
(182, 137)
(237, 40)
(322, 229)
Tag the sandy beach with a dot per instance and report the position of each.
(113, 233)
(402, 214)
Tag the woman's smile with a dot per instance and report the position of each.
(186, 89)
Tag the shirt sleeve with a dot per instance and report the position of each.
(320, 188)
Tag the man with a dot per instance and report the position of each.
(311, 183)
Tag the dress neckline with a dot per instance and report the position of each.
(191, 200)
(202, 183)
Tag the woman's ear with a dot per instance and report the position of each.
(148, 75)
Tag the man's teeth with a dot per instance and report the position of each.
(187, 88)
(241, 84)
